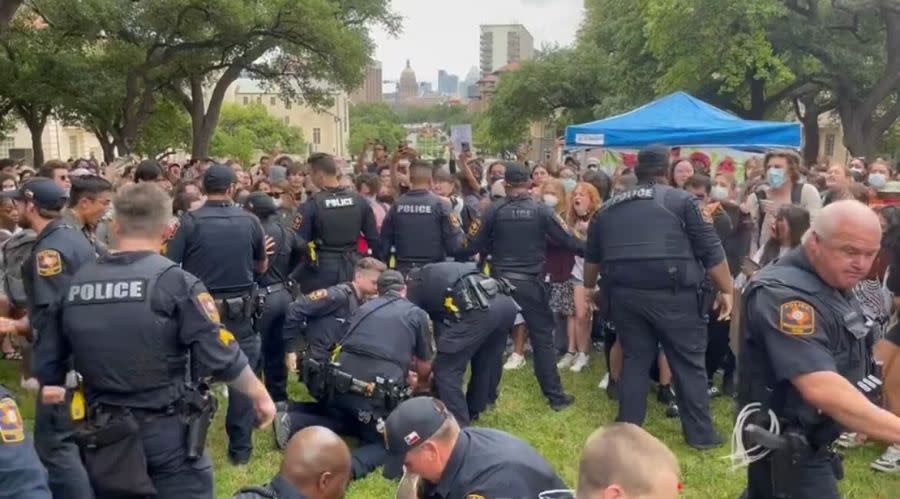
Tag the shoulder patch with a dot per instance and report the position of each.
(225, 336)
(706, 214)
(49, 263)
(209, 307)
(474, 496)
(297, 223)
(171, 229)
(318, 294)
(474, 227)
(797, 318)
(454, 221)
(12, 429)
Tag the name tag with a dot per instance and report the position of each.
(108, 291)
(338, 202)
(414, 209)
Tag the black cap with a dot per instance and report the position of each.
(390, 280)
(516, 174)
(409, 426)
(652, 158)
(148, 170)
(43, 192)
(218, 177)
(260, 204)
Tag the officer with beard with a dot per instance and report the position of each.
(274, 290)
(332, 221)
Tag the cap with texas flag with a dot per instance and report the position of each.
(410, 425)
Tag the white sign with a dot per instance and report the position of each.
(590, 139)
(458, 135)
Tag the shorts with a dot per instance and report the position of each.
(562, 298)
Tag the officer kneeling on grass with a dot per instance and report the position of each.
(472, 315)
(454, 462)
(134, 322)
(367, 377)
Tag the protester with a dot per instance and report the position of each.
(585, 202)
(680, 170)
(837, 180)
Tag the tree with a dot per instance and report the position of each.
(374, 121)
(245, 129)
(168, 127)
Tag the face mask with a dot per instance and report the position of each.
(856, 170)
(495, 178)
(277, 202)
(719, 193)
(569, 184)
(877, 180)
(551, 200)
(775, 177)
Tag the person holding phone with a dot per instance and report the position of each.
(791, 222)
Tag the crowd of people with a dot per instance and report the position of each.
(381, 282)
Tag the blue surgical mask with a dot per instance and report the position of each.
(877, 180)
(775, 177)
(569, 184)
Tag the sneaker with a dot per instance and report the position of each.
(581, 361)
(665, 394)
(713, 392)
(672, 410)
(612, 390)
(566, 401)
(889, 462)
(850, 440)
(604, 382)
(515, 361)
(566, 361)
(282, 425)
(30, 385)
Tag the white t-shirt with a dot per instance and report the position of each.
(809, 199)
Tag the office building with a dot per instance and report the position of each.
(370, 91)
(448, 84)
(503, 44)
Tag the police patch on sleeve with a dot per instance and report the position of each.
(298, 222)
(454, 221)
(49, 263)
(797, 318)
(706, 214)
(12, 429)
(474, 227)
(474, 496)
(225, 336)
(209, 307)
(318, 294)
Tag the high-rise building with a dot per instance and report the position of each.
(425, 88)
(408, 88)
(370, 91)
(448, 84)
(503, 44)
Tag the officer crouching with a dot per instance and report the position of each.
(472, 315)
(368, 376)
(134, 322)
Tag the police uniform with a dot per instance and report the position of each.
(653, 246)
(465, 332)
(795, 324)
(318, 320)
(58, 252)
(514, 232)
(130, 321)
(381, 340)
(278, 488)
(274, 291)
(21, 473)
(332, 220)
(221, 244)
(87, 231)
(419, 229)
(484, 463)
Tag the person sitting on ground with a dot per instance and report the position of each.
(316, 465)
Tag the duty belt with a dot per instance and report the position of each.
(267, 290)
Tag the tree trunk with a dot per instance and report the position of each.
(204, 120)
(109, 149)
(757, 99)
(35, 126)
(7, 10)
(809, 118)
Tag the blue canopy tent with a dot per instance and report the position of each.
(681, 120)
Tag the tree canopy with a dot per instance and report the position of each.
(243, 130)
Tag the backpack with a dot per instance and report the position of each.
(13, 254)
(796, 193)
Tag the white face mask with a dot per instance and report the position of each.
(277, 202)
(551, 200)
(719, 193)
(877, 180)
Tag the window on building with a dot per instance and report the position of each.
(74, 146)
(829, 144)
(5, 145)
(259, 99)
(246, 100)
(287, 120)
(271, 101)
(287, 104)
(317, 136)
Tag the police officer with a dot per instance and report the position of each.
(804, 356)
(514, 232)
(274, 290)
(89, 201)
(130, 321)
(21, 474)
(223, 246)
(383, 337)
(422, 435)
(652, 244)
(472, 316)
(332, 221)
(58, 252)
(419, 228)
(316, 465)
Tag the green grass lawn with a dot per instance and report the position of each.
(523, 412)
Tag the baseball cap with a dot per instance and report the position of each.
(653, 157)
(218, 177)
(43, 192)
(516, 174)
(260, 204)
(412, 423)
(390, 280)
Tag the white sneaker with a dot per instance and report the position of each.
(581, 361)
(889, 462)
(604, 382)
(850, 440)
(566, 361)
(515, 361)
(31, 384)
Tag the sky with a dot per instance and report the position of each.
(444, 34)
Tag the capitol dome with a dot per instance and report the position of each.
(408, 85)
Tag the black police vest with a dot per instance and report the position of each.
(417, 228)
(120, 344)
(430, 285)
(519, 239)
(847, 345)
(644, 243)
(339, 219)
(216, 243)
(376, 331)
